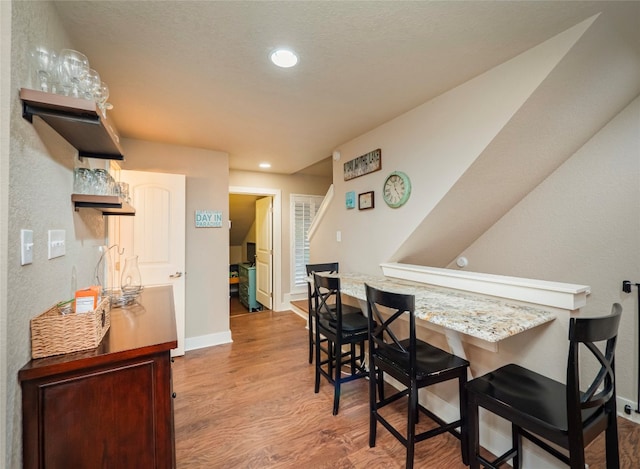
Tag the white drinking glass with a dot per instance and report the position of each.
(90, 84)
(101, 96)
(83, 181)
(102, 182)
(74, 65)
(43, 62)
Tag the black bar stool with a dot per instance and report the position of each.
(339, 328)
(331, 267)
(415, 364)
(544, 410)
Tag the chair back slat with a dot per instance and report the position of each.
(381, 334)
(584, 334)
(327, 297)
(330, 267)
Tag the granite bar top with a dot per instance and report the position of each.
(486, 318)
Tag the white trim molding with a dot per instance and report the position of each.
(324, 206)
(566, 296)
(209, 340)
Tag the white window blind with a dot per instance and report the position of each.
(303, 209)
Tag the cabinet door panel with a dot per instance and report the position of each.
(102, 419)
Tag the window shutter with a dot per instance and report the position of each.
(304, 209)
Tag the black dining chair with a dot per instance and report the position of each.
(339, 329)
(415, 364)
(330, 267)
(546, 411)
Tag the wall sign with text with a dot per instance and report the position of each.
(362, 165)
(208, 219)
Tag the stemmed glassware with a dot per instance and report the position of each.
(68, 74)
(101, 96)
(44, 63)
(90, 84)
(74, 66)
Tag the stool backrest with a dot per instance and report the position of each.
(331, 267)
(600, 392)
(381, 334)
(327, 298)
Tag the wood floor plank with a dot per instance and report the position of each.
(250, 404)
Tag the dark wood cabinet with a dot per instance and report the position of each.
(108, 407)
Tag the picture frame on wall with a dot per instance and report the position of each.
(366, 200)
(350, 199)
(364, 164)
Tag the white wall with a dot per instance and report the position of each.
(435, 144)
(5, 113)
(40, 182)
(207, 250)
(582, 225)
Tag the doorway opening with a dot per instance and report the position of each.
(247, 196)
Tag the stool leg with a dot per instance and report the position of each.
(611, 440)
(338, 377)
(318, 362)
(473, 437)
(464, 432)
(411, 426)
(353, 358)
(372, 403)
(516, 443)
(310, 325)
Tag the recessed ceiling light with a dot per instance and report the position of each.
(265, 165)
(284, 58)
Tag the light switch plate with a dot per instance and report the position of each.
(26, 247)
(56, 244)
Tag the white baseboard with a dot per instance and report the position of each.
(195, 343)
(621, 403)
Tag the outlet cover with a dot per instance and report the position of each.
(56, 244)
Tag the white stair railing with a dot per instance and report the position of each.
(324, 206)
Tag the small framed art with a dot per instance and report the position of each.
(350, 199)
(365, 200)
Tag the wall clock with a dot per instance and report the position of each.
(396, 189)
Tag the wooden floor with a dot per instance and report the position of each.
(235, 307)
(250, 404)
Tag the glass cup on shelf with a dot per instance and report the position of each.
(102, 183)
(43, 62)
(90, 84)
(74, 66)
(82, 181)
(101, 95)
(123, 191)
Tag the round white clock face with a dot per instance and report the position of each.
(396, 189)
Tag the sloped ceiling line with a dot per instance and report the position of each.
(550, 125)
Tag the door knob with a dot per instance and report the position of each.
(176, 275)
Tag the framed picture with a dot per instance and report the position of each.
(364, 164)
(350, 199)
(365, 200)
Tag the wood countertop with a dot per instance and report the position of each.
(144, 328)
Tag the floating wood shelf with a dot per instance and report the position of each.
(107, 204)
(79, 121)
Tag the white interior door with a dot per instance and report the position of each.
(264, 251)
(156, 234)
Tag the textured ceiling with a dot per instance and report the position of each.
(198, 73)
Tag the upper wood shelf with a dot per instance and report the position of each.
(78, 120)
(107, 204)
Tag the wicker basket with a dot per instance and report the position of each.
(54, 333)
